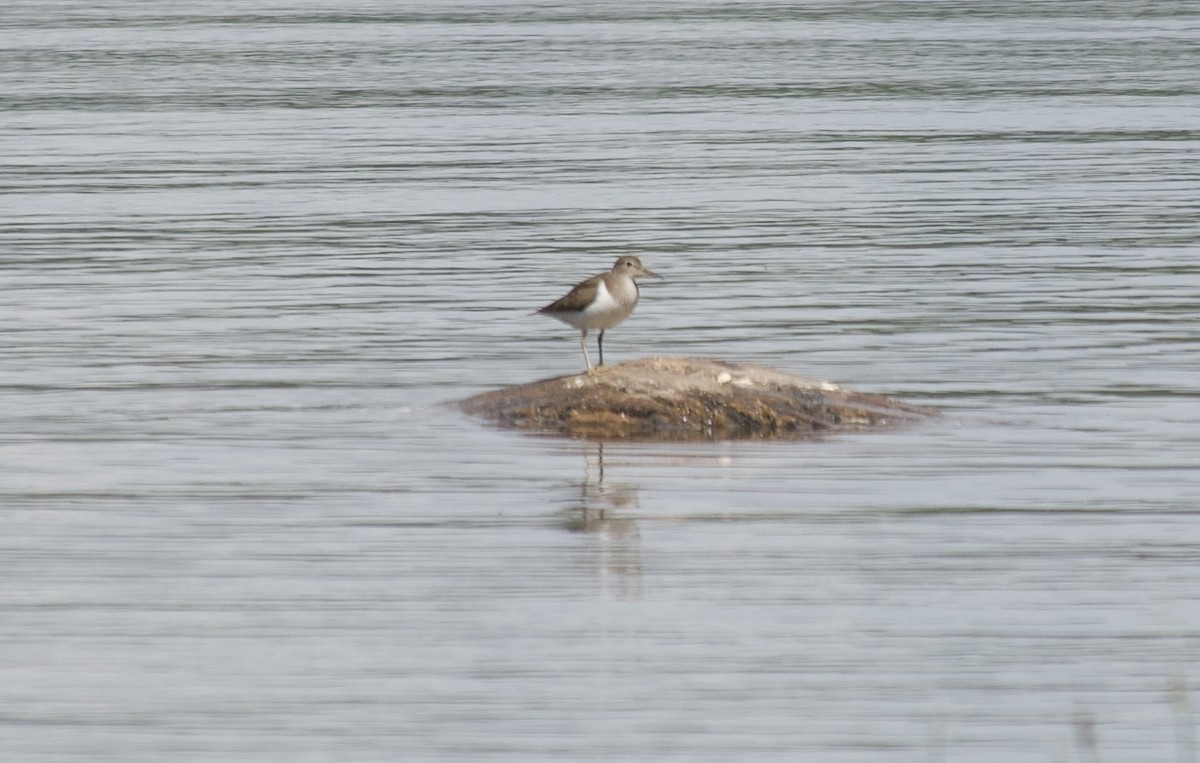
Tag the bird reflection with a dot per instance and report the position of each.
(601, 510)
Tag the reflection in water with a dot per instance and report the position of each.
(1185, 724)
(600, 510)
(1085, 736)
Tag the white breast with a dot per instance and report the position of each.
(609, 309)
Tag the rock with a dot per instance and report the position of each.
(688, 399)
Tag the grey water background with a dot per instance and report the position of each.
(248, 249)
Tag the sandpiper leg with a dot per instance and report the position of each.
(583, 344)
(600, 344)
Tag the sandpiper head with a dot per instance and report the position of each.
(633, 267)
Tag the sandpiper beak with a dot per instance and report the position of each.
(651, 274)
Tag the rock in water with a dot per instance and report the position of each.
(688, 399)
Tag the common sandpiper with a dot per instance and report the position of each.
(600, 302)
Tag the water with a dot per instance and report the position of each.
(248, 249)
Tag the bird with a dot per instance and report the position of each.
(600, 302)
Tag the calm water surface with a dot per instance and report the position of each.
(248, 249)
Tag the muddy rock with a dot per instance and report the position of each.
(688, 399)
